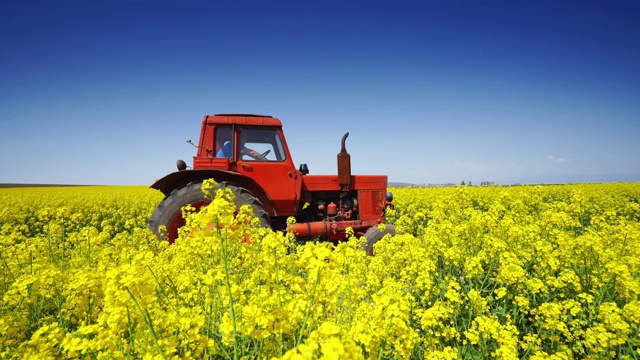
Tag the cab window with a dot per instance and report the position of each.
(222, 146)
(266, 142)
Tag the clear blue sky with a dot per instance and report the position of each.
(108, 92)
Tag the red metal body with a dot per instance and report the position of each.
(359, 200)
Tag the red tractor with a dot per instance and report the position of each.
(249, 155)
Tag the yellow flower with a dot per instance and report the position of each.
(544, 270)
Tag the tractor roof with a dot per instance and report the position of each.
(243, 119)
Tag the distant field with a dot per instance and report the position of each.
(9, 185)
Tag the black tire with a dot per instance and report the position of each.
(168, 212)
(374, 235)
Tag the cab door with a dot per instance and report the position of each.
(273, 169)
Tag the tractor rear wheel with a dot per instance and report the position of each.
(374, 235)
(169, 211)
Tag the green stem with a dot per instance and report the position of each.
(147, 319)
(231, 309)
(384, 341)
(4, 262)
(306, 316)
(278, 287)
(349, 295)
(162, 289)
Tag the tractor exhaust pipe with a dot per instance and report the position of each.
(344, 166)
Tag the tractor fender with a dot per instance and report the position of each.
(179, 179)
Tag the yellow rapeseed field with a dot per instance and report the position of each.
(531, 272)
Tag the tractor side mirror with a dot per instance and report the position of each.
(181, 165)
(389, 199)
(304, 169)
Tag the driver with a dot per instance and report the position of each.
(226, 150)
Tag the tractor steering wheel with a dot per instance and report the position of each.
(264, 154)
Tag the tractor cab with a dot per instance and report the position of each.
(251, 149)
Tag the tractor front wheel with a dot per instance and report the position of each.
(374, 235)
(169, 211)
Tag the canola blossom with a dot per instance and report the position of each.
(527, 272)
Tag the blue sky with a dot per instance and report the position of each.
(108, 92)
